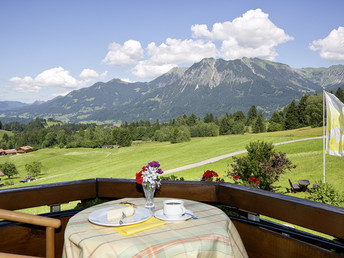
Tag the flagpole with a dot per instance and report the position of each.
(324, 135)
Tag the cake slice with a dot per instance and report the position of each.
(120, 213)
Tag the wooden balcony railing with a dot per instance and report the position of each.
(260, 238)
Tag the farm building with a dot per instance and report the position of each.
(24, 149)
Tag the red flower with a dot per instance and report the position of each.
(254, 180)
(139, 178)
(236, 177)
(208, 175)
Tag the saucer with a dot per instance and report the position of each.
(160, 215)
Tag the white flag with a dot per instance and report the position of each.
(335, 125)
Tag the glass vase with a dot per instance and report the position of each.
(149, 190)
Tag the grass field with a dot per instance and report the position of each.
(74, 164)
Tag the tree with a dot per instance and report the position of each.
(276, 122)
(202, 129)
(291, 117)
(123, 137)
(192, 120)
(314, 110)
(238, 127)
(224, 124)
(156, 125)
(251, 115)
(273, 127)
(9, 169)
(163, 135)
(5, 137)
(34, 168)
(303, 121)
(0, 125)
(208, 118)
(35, 124)
(276, 117)
(180, 134)
(259, 126)
(50, 139)
(239, 116)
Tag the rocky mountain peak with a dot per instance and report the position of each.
(211, 85)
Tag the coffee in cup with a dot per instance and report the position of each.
(174, 208)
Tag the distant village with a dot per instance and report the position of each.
(20, 150)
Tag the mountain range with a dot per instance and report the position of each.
(209, 86)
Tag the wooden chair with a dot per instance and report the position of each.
(50, 225)
(294, 187)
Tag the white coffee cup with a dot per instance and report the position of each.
(174, 208)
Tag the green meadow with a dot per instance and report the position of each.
(61, 165)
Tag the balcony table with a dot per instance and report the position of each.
(304, 185)
(211, 235)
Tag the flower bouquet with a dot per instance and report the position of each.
(148, 177)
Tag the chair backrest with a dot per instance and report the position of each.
(50, 225)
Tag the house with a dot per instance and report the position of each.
(2, 152)
(11, 152)
(24, 149)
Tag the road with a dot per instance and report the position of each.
(207, 161)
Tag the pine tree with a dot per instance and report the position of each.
(303, 121)
(251, 115)
(291, 116)
(259, 126)
(224, 124)
(208, 118)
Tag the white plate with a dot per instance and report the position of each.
(160, 215)
(99, 217)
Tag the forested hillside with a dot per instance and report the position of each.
(41, 133)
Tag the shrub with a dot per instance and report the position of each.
(261, 167)
(326, 193)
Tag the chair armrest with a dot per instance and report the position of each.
(29, 219)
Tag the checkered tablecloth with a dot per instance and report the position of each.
(212, 235)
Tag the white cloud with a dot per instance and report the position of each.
(128, 54)
(56, 78)
(170, 54)
(252, 35)
(148, 70)
(332, 47)
(89, 74)
(25, 84)
(60, 94)
(127, 80)
(176, 51)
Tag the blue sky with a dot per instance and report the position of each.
(49, 48)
